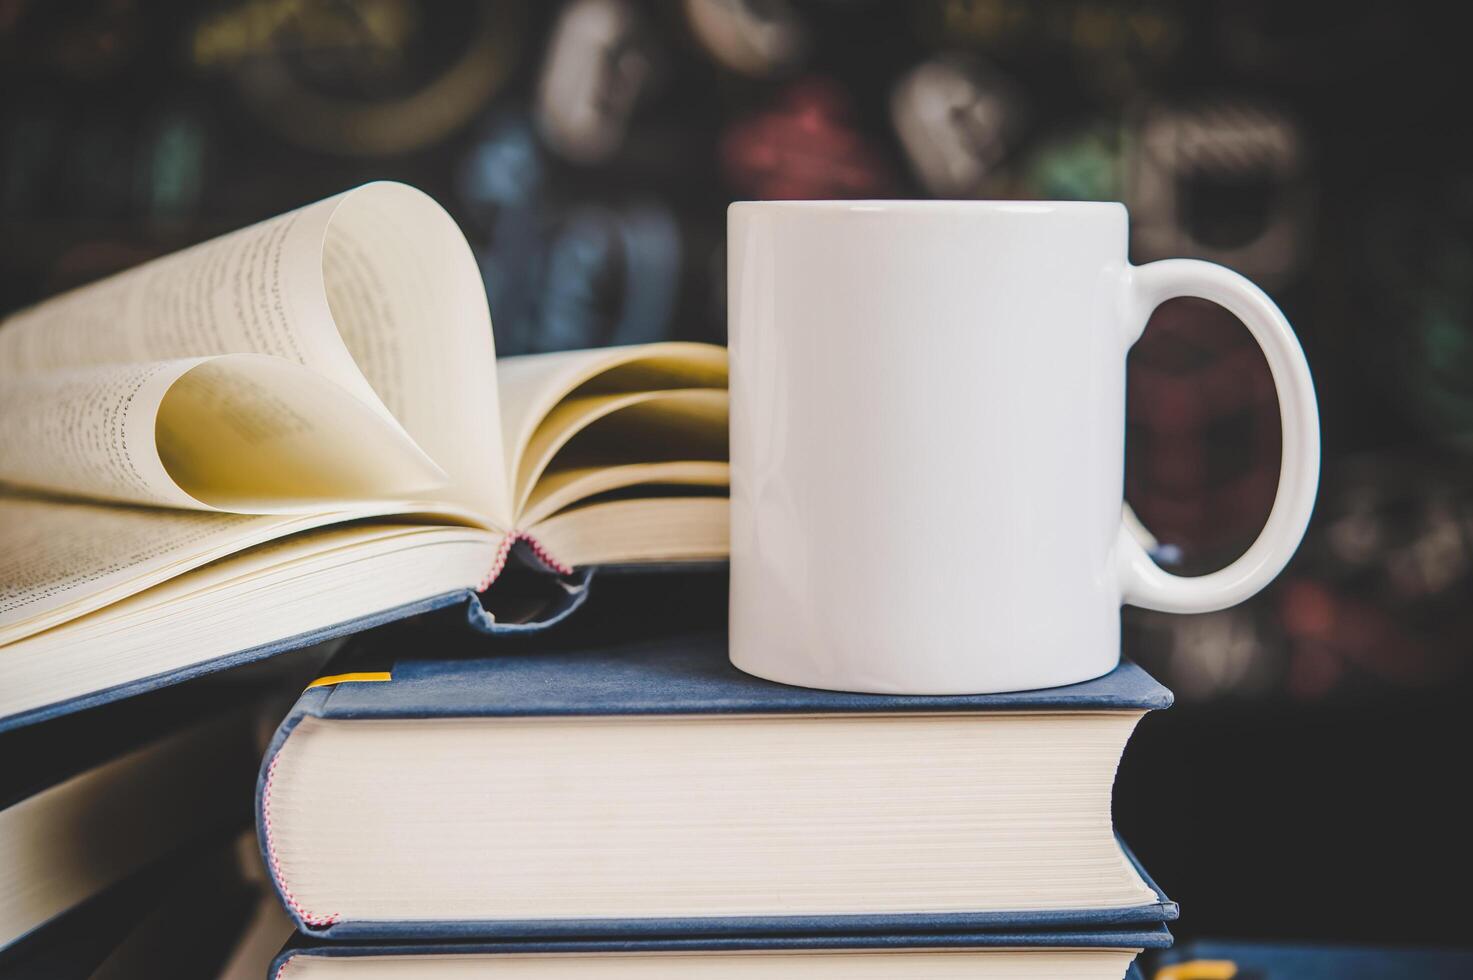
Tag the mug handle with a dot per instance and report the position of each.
(1142, 582)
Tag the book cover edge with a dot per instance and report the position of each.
(1157, 938)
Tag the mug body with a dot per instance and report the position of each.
(927, 443)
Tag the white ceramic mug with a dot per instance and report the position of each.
(927, 442)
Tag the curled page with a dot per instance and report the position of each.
(375, 290)
(686, 423)
(90, 432)
(532, 385)
(244, 433)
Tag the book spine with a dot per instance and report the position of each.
(564, 601)
(503, 552)
(310, 703)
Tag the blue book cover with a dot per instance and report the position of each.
(688, 675)
(525, 602)
(561, 601)
(678, 675)
(1144, 937)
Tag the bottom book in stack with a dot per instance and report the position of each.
(1015, 956)
(649, 810)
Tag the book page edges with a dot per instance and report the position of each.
(638, 419)
(906, 875)
(59, 558)
(532, 385)
(653, 529)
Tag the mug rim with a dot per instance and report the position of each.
(883, 205)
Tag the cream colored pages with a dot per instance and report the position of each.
(331, 575)
(240, 432)
(336, 362)
(257, 290)
(638, 427)
(564, 486)
(407, 296)
(553, 402)
(70, 841)
(532, 386)
(375, 290)
(713, 815)
(62, 559)
(671, 528)
(818, 964)
(90, 431)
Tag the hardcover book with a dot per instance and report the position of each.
(301, 427)
(1070, 955)
(653, 789)
(90, 801)
(152, 924)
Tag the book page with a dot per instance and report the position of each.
(61, 559)
(90, 431)
(645, 529)
(55, 554)
(250, 291)
(282, 588)
(407, 297)
(615, 429)
(532, 385)
(564, 486)
(241, 432)
(384, 257)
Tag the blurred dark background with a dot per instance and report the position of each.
(1306, 785)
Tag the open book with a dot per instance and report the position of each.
(303, 423)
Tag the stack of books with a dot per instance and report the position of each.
(647, 809)
(299, 432)
(115, 821)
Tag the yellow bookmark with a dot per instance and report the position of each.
(1199, 970)
(358, 678)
